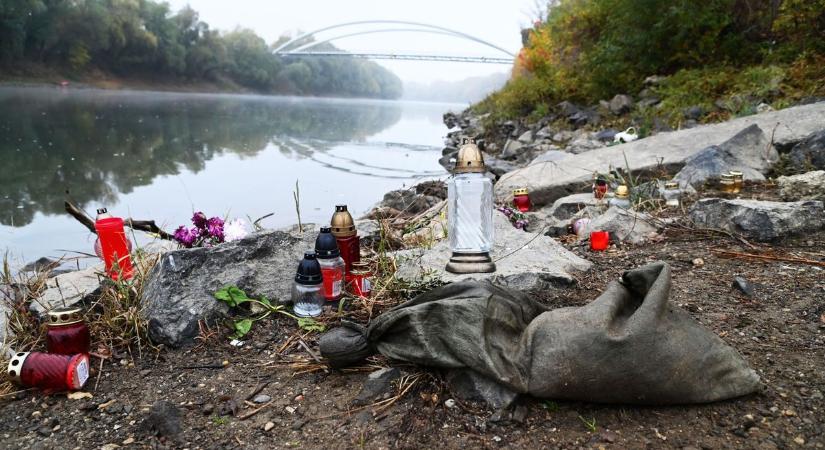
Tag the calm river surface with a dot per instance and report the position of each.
(162, 156)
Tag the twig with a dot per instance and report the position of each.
(99, 371)
(258, 389)
(296, 195)
(311, 353)
(792, 259)
(203, 366)
(148, 226)
(255, 411)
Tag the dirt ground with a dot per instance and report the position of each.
(780, 330)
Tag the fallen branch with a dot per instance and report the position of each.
(148, 226)
(255, 411)
(790, 259)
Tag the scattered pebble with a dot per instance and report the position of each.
(698, 262)
(268, 426)
(290, 409)
(261, 398)
(449, 403)
(799, 440)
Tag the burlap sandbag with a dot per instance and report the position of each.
(627, 346)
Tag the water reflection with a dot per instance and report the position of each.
(100, 145)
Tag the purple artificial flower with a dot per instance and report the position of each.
(185, 237)
(199, 219)
(214, 227)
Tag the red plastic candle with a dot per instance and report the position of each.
(521, 200)
(600, 188)
(360, 280)
(67, 332)
(50, 372)
(599, 240)
(349, 244)
(114, 245)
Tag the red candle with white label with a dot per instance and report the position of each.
(50, 372)
(360, 279)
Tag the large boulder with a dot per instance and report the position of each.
(624, 225)
(749, 151)
(548, 181)
(806, 186)
(621, 104)
(758, 220)
(523, 260)
(810, 153)
(68, 289)
(179, 290)
(567, 207)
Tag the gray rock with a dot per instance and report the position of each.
(606, 135)
(810, 153)
(8, 297)
(68, 289)
(408, 201)
(743, 285)
(584, 143)
(583, 118)
(497, 166)
(262, 398)
(377, 384)
(511, 149)
(563, 136)
(526, 137)
(163, 420)
(621, 104)
(40, 265)
(654, 80)
(550, 156)
(694, 112)
(470, 386)
(758, 220)
(529, 152)
(545, 133)
(568, 109)
(567, 207)
(623, 225)
(648, 102)
(179, 290)
(548, 181)
(763, 108)
(806, 186)
(530, 264)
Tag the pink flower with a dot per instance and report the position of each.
(199, 220)
(214, 226)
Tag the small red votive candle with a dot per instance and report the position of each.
(599, 240)
(521, 200)
(67, 332)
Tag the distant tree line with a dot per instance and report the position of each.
(144, 38)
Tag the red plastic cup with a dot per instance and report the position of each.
(599, 240)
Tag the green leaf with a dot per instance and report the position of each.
(309, 324)
(242, 327)
(265, 301)
(231, 295)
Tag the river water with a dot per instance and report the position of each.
(162, 156)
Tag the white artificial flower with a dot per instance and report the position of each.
(234, 230)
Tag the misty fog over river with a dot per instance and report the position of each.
(162, 156)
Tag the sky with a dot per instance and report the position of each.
(495, 21)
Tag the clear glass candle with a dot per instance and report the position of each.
(470, 213)
(307, 296)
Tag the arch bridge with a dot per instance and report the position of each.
(304, 44)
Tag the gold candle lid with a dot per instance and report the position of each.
(342, 224)
(360, 268)
(469, 159)
(726, 177)
(65, 316)
(672, 185)
(520, 191)
(736, 174)
(622, 192)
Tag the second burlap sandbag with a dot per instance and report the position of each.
(627, 346)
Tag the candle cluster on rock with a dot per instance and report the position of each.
(470, 213)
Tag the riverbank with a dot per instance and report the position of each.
(275, 391)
